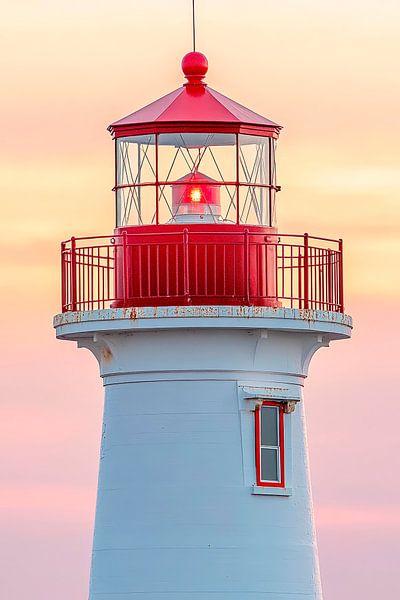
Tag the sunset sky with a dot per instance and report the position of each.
(328, 72)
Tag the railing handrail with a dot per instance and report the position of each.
(217, 233)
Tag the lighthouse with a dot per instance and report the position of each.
(203, 317)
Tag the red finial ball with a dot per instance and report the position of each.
(194, 67)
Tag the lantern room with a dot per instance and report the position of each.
(195, 156)
(195, 202)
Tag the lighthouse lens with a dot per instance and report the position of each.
(195, 195)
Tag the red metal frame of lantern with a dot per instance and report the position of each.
(196, 108)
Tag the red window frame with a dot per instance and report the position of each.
(260, 482)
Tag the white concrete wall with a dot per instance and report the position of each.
(177, 516)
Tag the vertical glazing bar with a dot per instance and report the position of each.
(247, 266)
(237, 181)
(341, 298)
(116, 181)
(139, 181)
(270, 180)
(306, 303)
(186, 264)
(157, 184)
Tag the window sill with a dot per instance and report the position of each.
(271, 491)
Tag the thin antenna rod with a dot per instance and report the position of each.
(194, 24)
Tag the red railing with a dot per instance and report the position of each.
(180, 268)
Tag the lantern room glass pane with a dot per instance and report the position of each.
(136, 165)
(197, 175)
(214, 154)
(257, 179)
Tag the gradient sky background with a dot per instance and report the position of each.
(329, 72)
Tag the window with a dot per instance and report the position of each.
(270, 459)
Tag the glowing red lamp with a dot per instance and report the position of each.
(196, 194)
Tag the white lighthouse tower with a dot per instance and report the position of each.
(203, 317)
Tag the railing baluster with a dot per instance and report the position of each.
(64, 279)
(186, 264)
(124, 268)
(167, 270)
(247, 266)
(329, 298)
(306, 273)
(341, 300)
(196, 270)
(291, 277)
(140, 263)
(177, 288)
(205, 269)
(73, 274)
(278, 261)
(224, 262)
(215, 269)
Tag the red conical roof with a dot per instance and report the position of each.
(194, 106)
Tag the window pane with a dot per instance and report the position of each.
(269, 426)
(257, 171)
(269, 464)
(136, 164)
(213, 154)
